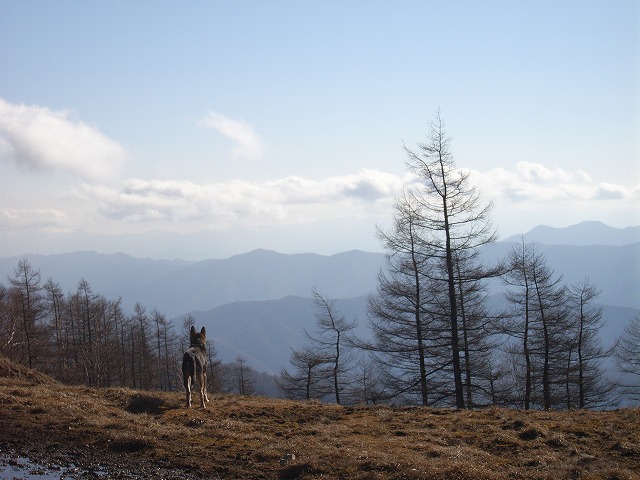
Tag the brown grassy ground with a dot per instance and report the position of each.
(251, 437)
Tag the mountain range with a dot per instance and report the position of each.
(584, 233)
(177, 287)
(257, 304)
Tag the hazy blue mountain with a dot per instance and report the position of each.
(110, 275)
(262, 275)
(584, 233)
(264, 332)
(176, 287)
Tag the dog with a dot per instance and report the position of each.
(194, 365)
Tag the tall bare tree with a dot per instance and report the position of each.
(454, 219)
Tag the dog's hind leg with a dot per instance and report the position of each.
(187, 387)
(204, 388)
(188, 371)
(203, 385)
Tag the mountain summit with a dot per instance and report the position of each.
(584, 233)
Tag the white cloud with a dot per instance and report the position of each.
(286, 201)
(536, 183)
(609, 191)
(24, 219)
(522, 199)
(248, 144)
(40, 139)
(537, 173)
(530, 194)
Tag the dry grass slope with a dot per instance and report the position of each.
(9, 369)
(251, 437)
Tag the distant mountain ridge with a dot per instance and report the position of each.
(175, 287)
(581, 234)
(257, 303)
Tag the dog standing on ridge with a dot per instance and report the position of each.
(194, 364)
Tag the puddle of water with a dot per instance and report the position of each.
(22, 468)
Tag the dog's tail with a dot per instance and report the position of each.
(188, 370)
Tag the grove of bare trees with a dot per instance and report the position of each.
(82, 337)
(436, 340)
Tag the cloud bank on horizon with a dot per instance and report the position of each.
(43, 140)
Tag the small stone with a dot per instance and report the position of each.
(288, 458)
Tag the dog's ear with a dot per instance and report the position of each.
(193, 330)
(203, 331)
